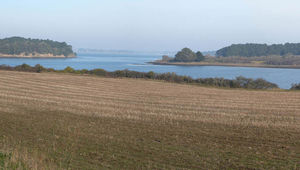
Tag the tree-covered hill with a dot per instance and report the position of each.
(252, 50)
(19, 45)
(187, 55)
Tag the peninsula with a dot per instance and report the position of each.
(240, 55)
(18, 47)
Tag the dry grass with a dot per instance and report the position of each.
(85, 122)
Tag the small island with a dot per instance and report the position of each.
(18, 47)
(240, 55)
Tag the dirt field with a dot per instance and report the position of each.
(61, 121)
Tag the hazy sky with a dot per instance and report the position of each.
(152, 24)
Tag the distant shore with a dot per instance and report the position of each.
(223, 64)
(36, 56)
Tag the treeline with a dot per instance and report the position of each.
(239, 82)
(19, 45)
(257, 50)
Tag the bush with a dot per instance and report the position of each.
(38, 68)
(24, 67)
(239, 82)
(98, 72)
(51, 70)
(254, 84)
(150, 75)
(69, 70)
(84, 71)
(295, 86)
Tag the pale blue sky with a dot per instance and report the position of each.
(152, 24)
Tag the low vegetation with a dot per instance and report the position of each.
(70, 121)
(239, 82)
(295, 86)
(287, 60)
(19, 45)
(11, 161)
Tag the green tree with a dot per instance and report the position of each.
(200, 56)
(38, 68)
(185, 55)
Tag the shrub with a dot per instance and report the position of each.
(38, 68)
(239, 82)
(166, 58)
(150, 75)
(24, 67)
(84, 71)
(69, 70)
(295, 86)
(98, 72)
(51, 70)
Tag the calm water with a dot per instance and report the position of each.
(137, 62)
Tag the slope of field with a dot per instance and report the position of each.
(84, 122)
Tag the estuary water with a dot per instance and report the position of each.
(284, 78)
